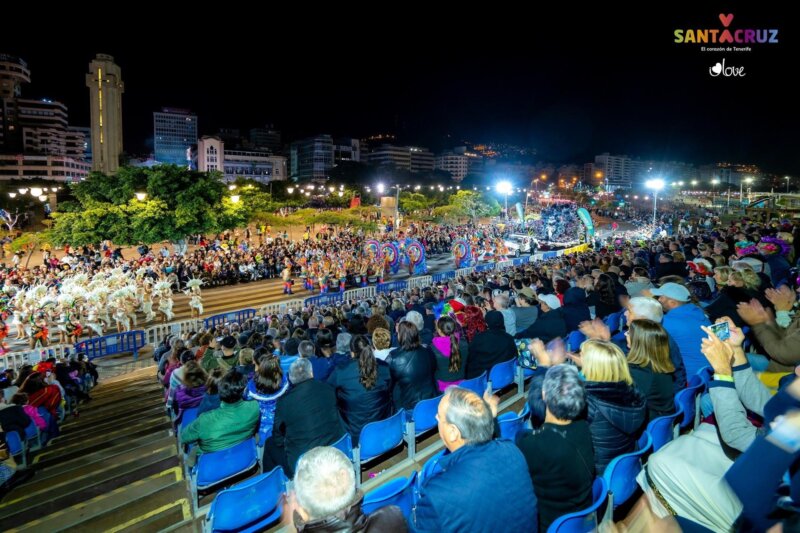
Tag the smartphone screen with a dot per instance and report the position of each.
(721, 330)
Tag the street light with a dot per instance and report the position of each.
(235, 198)
(788, 179)
(12, 194)
(141, 196)
(748, 181)
(42, 197)
(505, 188)
(290, 190)
(694, 183)
(714, 184)
(656, 185)
(380, 188)
(231, 187)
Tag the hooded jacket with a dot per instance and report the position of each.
(575, 309)
(491, 346)
(616, 414)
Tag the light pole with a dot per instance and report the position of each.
(505, 188)
(656, 185)
(714, 184)
(397, 208)
(788, 179)
(748, 181)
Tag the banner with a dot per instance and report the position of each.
(586, 218)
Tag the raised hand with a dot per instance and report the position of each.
(783, 298)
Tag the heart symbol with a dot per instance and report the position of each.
(726, 19)
(716, 69)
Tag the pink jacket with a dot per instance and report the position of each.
(32, 412)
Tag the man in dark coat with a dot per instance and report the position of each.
(491, 346)
(480, 484)
(550, 323)
(305, 417)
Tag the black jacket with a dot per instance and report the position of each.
(306, 417)
(575, 309)
(387, 519)
(412, 374)
(492, 346)
(657, 388)
(14, 418)
(616, 414)
(357, 405)
(547, 327)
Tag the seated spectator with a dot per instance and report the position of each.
(451, 353)
(575, 309)
(425, 334)
(525, 312)
(210, 399)
(191, 391)
(305, 417)
(246, 365)
(363, 388)
(267, 385)
(21, 399)
(474, 322)
(650, 366)
(559, 454)
(13, 416)
(412, 368)
(686, 477)
(325, 498)
(617, 410)
(500, 301)
(683, 321)
(780, 343)
(235, 421)
(382, 342)
(604, 297)
(40, 393)
(480, 484)
(550, 323)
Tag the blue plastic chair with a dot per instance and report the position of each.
(476, 385)
(501, 375)
(216, 468)
(32, 437)
(424, 420)
(430, 468)
(662, 429)
(345, 445)
(621, 472)
(586, 520)
(187, 417)
(574, 340)
(250, 506)
(703, 377)
(510, 424)
(399, 492)
(686, 402)
(379, 437)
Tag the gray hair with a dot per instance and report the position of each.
(325, 482)
(563, 392)
(313, 322)
(306, 349)
(272, 332)
(415, 318)
(501, 300)
(300, 371)
(646, 308)
(470, 414)
(343, 343)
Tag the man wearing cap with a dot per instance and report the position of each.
(550, 323)
(682, 320)
(525, 311)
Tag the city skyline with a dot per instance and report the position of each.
(570, 88)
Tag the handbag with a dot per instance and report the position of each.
(525, 357)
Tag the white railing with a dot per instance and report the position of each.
(274, 308)
(503, 264)
(361, 292)
(20, 358)
(419, 282)
(464, 271)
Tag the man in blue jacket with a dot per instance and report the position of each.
(481, 484)
(682, 321)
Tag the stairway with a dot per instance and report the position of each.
(113, 468)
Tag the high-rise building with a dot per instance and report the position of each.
(413, 158)
(256, 165)
(617, 170)
(47, 167)
(79, 142)
(105, 85)
(311, 158)
(175, 132)
(456, 164)
(346, 149)
(266, 138)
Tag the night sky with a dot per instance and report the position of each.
(570, 85)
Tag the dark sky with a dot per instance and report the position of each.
(569, 84)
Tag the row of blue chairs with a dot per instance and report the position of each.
(34, 439)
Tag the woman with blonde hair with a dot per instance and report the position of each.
(650, 365)
(617, 410)
(382, 342)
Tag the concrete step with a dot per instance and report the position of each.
(88, 430)
(21, 506)
(89, 418)
(73, 517)
(79, 464)
(56, 454)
